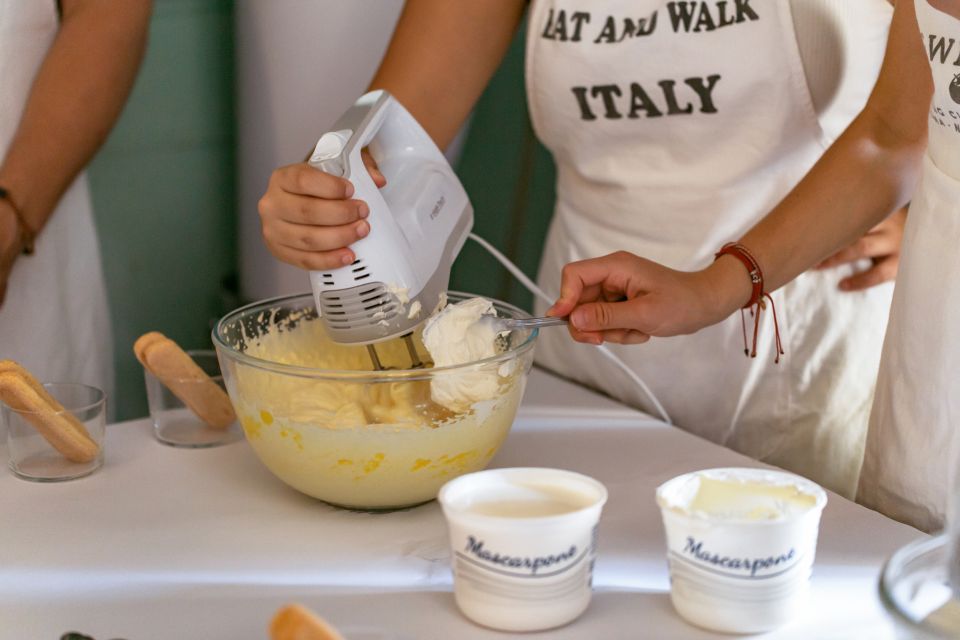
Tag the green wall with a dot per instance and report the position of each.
(510, 179)
(164, 189)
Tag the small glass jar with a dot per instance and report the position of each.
(32, 457)
(174, 423)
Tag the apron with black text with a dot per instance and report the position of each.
(916, 415)
(676, 126)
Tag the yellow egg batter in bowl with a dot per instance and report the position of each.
(327, 424)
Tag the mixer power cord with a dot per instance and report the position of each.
(532, 287)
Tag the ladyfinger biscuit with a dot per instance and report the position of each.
(296, 622)
(144, 341)
(53, 403)
(179, 373)
(22, 393)
(18, 369)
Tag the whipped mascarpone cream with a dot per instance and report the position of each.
(460, 334)
(737, 495)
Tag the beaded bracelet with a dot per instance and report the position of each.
(25, 231)
(743, 254)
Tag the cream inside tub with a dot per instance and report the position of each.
(739, 494)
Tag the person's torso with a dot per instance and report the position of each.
(54, 319)
(679, 128)
(27, 28)
(675, 130)
(913, 423)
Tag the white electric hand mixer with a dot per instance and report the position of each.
(418, 223)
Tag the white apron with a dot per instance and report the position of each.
(673, 134)
(55, 318)
(916, 415)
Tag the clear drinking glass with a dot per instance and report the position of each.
(915, 590)
(32, 457)
(920, 584)
(174, 423)
(953, 521)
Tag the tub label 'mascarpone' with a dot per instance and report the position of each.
(520, 565)
(768, 566)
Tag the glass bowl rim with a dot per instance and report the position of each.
(895, 563)
(353, 375)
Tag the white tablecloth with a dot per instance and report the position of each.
(166, 543)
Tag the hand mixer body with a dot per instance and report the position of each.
(418, 224)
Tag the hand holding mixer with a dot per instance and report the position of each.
(418, 223)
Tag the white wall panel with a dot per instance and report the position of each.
(300, 64)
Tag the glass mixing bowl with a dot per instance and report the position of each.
(915, 590)
(325, 423)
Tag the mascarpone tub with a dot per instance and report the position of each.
(740, 546)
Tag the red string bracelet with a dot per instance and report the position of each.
(742, 254)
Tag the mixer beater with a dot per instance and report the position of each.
(416, 362)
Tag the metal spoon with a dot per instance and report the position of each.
(512, 324)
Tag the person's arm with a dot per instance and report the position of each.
(75, 99)
(870, 171)
(440, 58)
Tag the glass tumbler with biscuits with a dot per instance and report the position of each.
(188, 404)
(54, 431)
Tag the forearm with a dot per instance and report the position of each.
(76, 97)
(863, 178)
(625, 298)
(442, 56)
(867, 174)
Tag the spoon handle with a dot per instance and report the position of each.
(532, 323)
